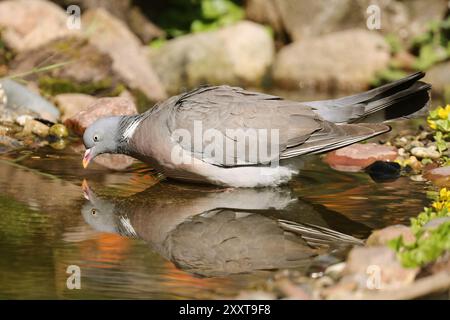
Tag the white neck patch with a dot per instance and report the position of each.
(129, 131)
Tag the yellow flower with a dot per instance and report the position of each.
(444, 194)
(438, 205)
(432, 124)
(443, 113)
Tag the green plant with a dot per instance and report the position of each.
(430, 243)
(179, 17)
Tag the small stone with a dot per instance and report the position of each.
(421, 152)
(416, 143)
(103, 107)
(358, 156)
(22, 119)
(415, 164)
(59, 144)
(36, 127)
(418, 178)
(58, 130)
(8, 144)
(401, 142)
(383, 236)
(439, 176)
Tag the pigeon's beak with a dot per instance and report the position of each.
(86, 189)
(88, 155)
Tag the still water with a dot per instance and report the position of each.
(134, 236)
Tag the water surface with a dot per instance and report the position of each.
(134, 236)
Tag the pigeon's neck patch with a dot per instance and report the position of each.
(129, 127)
(129, 131)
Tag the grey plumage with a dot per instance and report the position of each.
(214, 233)
(301, 128)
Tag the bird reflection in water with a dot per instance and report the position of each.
(212, 232)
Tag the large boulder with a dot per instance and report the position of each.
(64, 54)
(439, 77)
(302, 19)
(111, 36)
(237, 55)
(29, 24)
(333, 61)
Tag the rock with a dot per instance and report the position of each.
(18, 99)
(93, 74)
(439, 77)
(9, 143)
(384, 171)
(236, 55)
(327, 63)
(36, 127)
(112, 36)
(142, 27)
(123, 10)
(439, 176)
(422, 152)
(111, 161)
(434, 223)
(358, 156)
(72, 103)
(21, 120)
(58, 130)
(103, 107)
(377, 268)
(383, 236)
(309, 19)
(30, 24)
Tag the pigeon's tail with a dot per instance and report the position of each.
(403, 98)
(317, 236)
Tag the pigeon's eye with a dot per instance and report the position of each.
(96, 138)
(93, 211)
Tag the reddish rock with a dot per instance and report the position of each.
(358, 156)
(439, 176)
(111, 161)
(383, 236)
(72, 103)
(103, 107)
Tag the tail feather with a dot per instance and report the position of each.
(317, 236)
(398, 99)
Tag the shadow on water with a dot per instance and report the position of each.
(152, 239)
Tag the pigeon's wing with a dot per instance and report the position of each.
(229, 126)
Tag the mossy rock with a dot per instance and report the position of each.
(69, 65)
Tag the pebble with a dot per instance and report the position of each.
(422, 152)
(36, 127)
(21, 120)
(58, 130)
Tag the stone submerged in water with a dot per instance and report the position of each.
(356, 157)
(439, 176)
(117, 162)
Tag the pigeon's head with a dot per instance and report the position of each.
(101, 137)
(97, 212)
